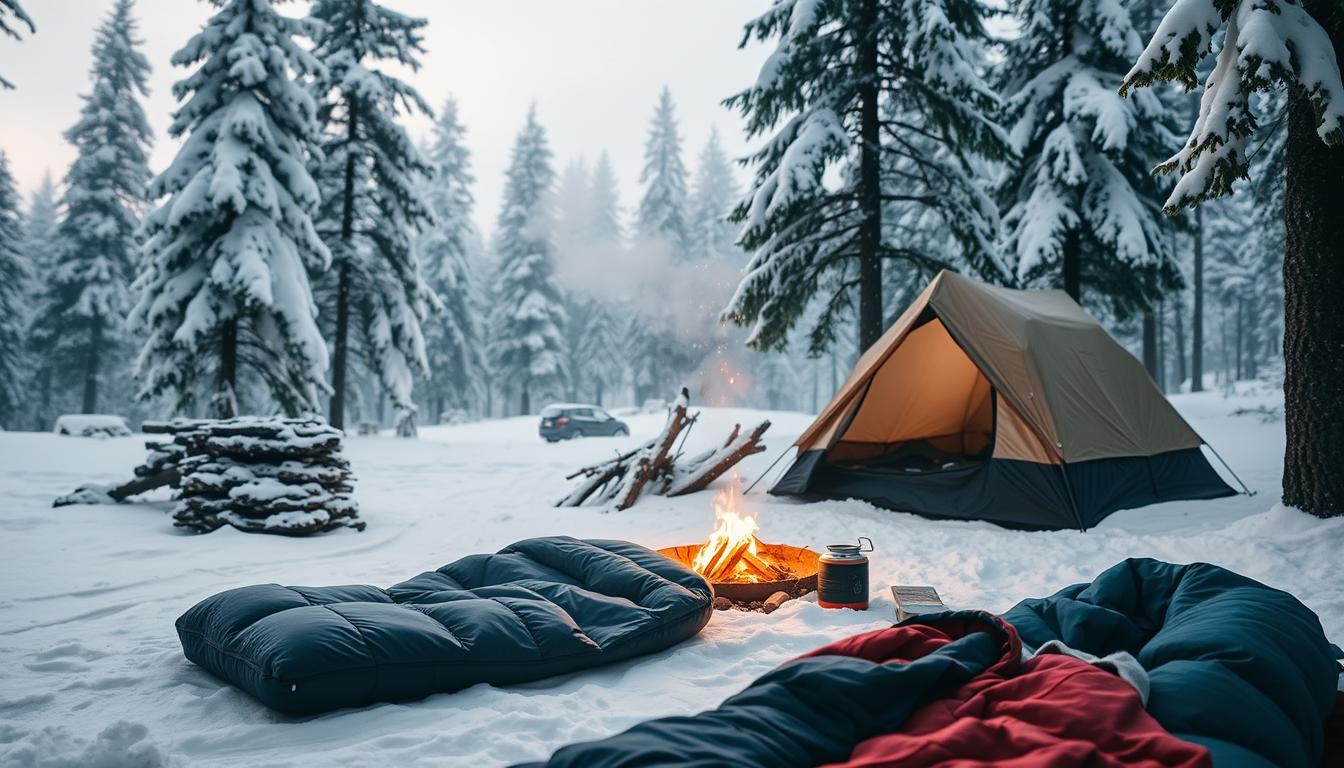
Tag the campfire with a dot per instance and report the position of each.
(744, 570)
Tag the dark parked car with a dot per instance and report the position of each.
(566, 420)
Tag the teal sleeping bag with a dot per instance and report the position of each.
(1234, 665)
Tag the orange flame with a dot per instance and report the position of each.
(731, 529)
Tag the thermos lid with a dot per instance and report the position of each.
(850, 550)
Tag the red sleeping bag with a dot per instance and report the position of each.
(1045, 711)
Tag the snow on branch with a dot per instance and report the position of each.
(1268, 43)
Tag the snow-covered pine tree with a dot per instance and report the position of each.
(716, 191)
(661, 218)
(453, 339)
(84, 301)
(885, 97)
(225, 284)
(575, 253)
(1082, 208)
(11, 16)
(606, 225)
(607, 240)
(41, 244)
(372, 208)
(527, 342)
(14, 276)
(662, 232)
(1266, 45)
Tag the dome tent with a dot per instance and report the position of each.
(996, 404)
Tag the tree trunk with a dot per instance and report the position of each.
(597, 387)
(341, 354)
(1241, 333)
(1072, 266)
(1160, 328)
(1197, 313)
(870, 179)
(525, 401)
(1180, 342)
(1150, 343)
(1313, 282)
(225, 403)
(92, 363)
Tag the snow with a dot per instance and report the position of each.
(91, 425)
(95, 675)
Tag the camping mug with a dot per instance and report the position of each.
(842, 579)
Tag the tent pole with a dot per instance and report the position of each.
(1244, 489)
(767, 470)
(1073, 502)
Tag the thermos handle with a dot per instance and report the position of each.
(870, 544)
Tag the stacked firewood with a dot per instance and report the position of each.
(265, 475)
(655, 466)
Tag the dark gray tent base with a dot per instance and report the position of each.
(1012, 493)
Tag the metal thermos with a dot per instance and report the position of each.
(842, 579)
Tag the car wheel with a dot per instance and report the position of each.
(621, 432)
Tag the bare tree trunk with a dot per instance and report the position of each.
(1072, 266)
(224, 405)
(1313, 282)
(525, 400)
(870, 179)
(1197, 314)
(341, 355)
(1180, 342)
(1241, 312)
(92, 363)
(1161, 332)
(1150, 343)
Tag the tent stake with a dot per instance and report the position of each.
(767, 470)
(1244, 489)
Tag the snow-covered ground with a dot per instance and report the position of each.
(93, 671)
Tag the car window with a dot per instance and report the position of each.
(601, 415)
(583, 413)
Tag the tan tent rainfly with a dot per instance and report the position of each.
(991, 403)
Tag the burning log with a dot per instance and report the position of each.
(621, 480)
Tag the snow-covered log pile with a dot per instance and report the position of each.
(654, 466)
(265, 475)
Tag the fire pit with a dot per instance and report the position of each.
(799, 575)
(742, 568)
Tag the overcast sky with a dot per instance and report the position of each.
(594, 68)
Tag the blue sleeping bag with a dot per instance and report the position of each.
(537, 608)
(1233, 665)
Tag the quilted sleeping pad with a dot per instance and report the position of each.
(536, 608)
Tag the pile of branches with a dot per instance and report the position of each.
(655, 467)
(260, 475)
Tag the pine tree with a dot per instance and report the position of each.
(1082, 208)
(1297, 46)
(14, 276)
(452, 337)
(886, 98)
(606, 204)
(11, 16)
(41, 238)
(227, 258)
(661, 219)
(713, 234)
(607, 240)
(372, 207)
(85, 299)
(527, 342)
